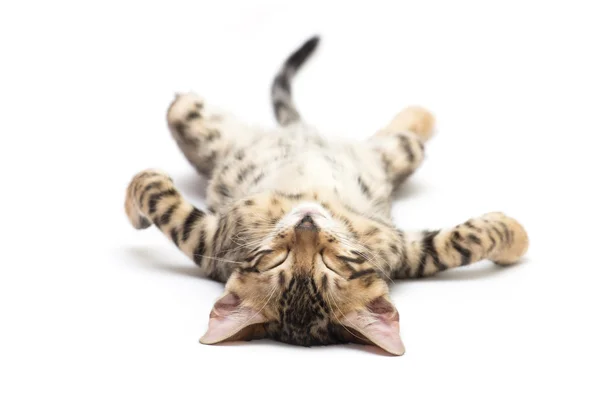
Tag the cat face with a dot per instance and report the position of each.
(307, 278)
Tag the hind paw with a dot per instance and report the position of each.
(186, 116)
(415, 119)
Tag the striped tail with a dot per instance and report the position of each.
(281, 90)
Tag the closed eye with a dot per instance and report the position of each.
(278, 261)
(258, 256)
(358, 258)
(327, 265)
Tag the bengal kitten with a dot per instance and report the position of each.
(299, 227)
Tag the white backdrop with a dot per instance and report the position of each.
(90, 306)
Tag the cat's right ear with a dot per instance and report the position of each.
(379, 323)
(228, 318)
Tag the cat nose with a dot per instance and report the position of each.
(306, 223)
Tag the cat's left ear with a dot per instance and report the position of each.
(379, 323)
(228, 318)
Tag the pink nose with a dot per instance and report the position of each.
(306, 223)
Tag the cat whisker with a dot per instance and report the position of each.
(263, 306)
(336, 317)
(218, 259)
(365, 253)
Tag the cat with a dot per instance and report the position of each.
(299, 227)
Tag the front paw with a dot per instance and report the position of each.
(512, 237)
(141, 187)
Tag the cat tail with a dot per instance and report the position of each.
(281, 90)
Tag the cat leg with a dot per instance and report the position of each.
(205, 134)
(151, 198)
(493, 236)
(400, 145)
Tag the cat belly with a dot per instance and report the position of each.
(306, 173)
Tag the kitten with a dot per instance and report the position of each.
(299, 227)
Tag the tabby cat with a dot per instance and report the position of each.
(299, 227)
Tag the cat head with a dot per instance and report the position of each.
(312, 273)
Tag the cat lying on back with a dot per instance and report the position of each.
(299, 227)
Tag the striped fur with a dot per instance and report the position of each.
(299, 227)
(281, 90)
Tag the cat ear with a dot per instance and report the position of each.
(228, 317)
(379, 324)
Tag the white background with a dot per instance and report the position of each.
(90, 306)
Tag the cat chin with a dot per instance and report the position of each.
(310, 208)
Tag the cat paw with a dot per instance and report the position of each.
(138, 189)
(415, 119)
(514, 241)
(185, 109)
(191, 122)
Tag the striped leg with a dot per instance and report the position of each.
(400, 144)
(152, 199)
(205, 134)
(492, 236)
